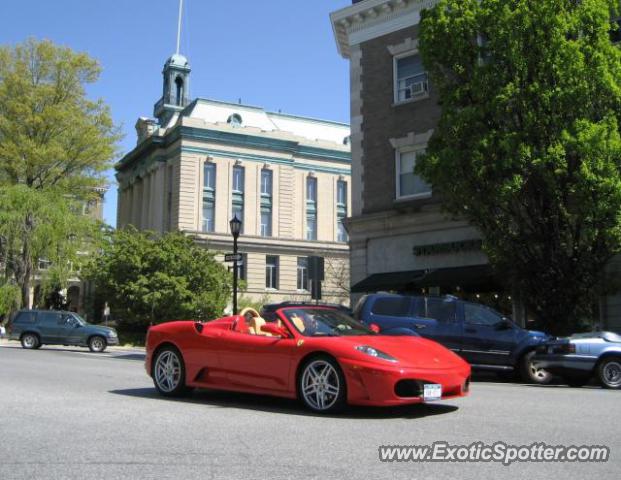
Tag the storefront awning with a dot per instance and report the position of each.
(475, 277)
(388, 281)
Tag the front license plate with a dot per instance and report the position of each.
(432, 391)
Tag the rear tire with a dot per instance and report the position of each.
(169, 373)
(530, 373)
(97, 344)
(609, 373)
(321, 385)
(30, 341)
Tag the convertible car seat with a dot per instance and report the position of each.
(256, 323)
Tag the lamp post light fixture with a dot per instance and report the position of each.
(235, 225)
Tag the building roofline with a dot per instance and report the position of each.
(268, 112)
(369, 15)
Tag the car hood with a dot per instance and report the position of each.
(410, 351)
(98, 329)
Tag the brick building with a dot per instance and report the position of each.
(399, 238)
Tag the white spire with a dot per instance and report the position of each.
(179, 25)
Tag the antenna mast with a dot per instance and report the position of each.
(179, 25)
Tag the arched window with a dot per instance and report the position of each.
(179, 93)
(235, 120)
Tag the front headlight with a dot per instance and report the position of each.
(112, 334)
(374, 352)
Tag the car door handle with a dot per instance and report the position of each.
(420, 325)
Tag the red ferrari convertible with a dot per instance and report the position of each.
(319, 355)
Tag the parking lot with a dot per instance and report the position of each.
(69, 413)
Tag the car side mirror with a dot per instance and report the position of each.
(275, 330)
(374, 327)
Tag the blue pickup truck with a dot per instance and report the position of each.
(482, 336)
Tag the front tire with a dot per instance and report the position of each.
(97, 344)
(532, 374)
(609, 373)
(30, 341)
(169, 373)
(321, 385)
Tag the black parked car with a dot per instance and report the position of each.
(482, 336)
(50, 327)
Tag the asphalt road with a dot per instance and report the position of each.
(67, 413)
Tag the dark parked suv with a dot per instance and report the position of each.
(39, 327)
(482, 336)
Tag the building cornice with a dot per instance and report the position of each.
(242, 139)
(156, 150)
(373, 18)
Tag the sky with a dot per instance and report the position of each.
(277, 54)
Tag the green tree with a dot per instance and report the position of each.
(54, 147)
(146, 278)
(51, 135)
(41, 224)
(10, 298)
(528, 146)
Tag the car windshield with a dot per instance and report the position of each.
(316, 322)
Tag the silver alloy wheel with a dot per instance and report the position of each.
(29, 341)
(320, 385)
(97, 344)
(538, 373)
(167, 371)
(611, 373)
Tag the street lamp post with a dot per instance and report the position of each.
(235, 224)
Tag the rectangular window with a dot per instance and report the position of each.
(209, 212)
(410, 78)
(266, 182)
(341, 193)
(311, 189)
(408, 183)
(311, 208)
(311, 227)
(209, 173)
(266, 203)
(266, 223)
(341, 231)
(238, 179)
(209, 197)
(341, 210)
(271, 272)
(302, 273)
(392, 306)
(237, 207)
(48, 318)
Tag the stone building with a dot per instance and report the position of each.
(200, 162)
